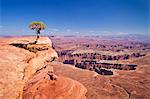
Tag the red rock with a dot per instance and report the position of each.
(41, 87)
(18, 65)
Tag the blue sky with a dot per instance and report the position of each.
(70, 17)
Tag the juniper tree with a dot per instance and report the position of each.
(37, 26)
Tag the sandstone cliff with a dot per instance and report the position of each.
(22, 63)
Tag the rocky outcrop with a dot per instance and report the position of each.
(13, 64)
(46, 85)
(21, 64)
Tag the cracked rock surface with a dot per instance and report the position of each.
(19, 66)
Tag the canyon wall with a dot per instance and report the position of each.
(19, 65)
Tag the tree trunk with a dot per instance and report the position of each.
(37, 36)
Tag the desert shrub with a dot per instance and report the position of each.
(31, 49)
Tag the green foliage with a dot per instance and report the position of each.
(31, 49)
(37, 26)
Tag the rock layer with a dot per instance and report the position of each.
(42, 87)
(18, 65)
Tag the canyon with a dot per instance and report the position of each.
(116, 68)
(59, 67)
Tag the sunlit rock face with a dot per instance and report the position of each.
(13, 65)
(20, 63)
(45, 85)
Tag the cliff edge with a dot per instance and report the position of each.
(21, 63)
